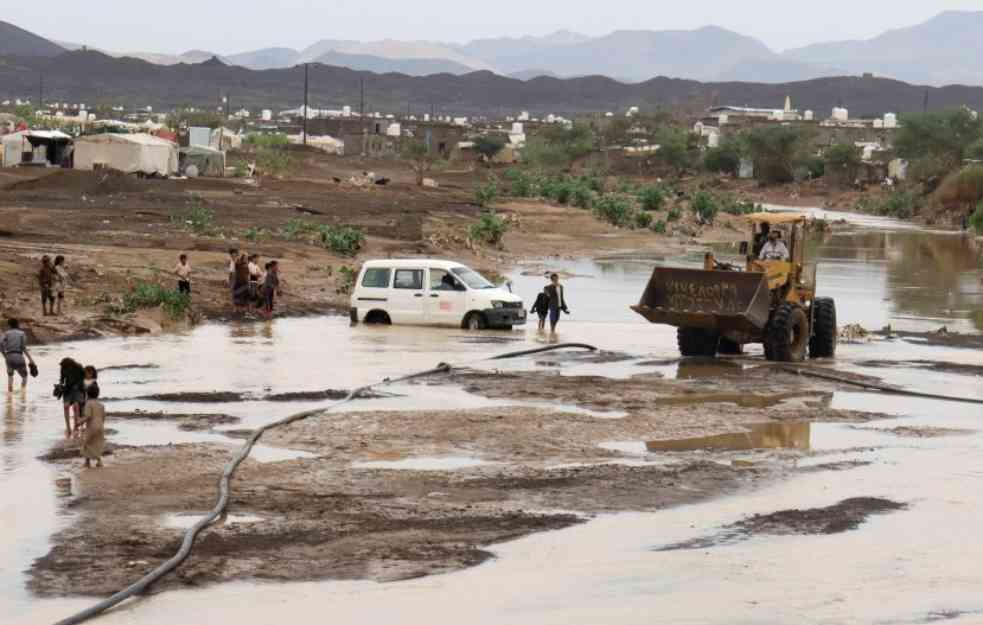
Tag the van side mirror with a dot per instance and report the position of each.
(744, 248)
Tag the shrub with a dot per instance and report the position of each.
(489, 230)
(565, 191)
(733, 205)
(816, 168)
(296, 227)
(197, 218)
(963, 187)
(674, 214)
(522, 184)
(900, 205)
(616, 209)
(254, 234)
(583, 197)
(486, 194)
(240, 170)
(659, 227)
(643, 219)
(652, 198)
(976, 219)
(274, 140)
(153, 295)
(272, 161)
(346, 280)
(344, 240)
(705, 206)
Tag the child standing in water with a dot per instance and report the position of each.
(94, 421)
(542, 308)
(271, 287)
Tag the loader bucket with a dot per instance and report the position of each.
(727, 301)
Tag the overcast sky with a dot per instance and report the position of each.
(228, 27)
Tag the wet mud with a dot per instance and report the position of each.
(930, 365)
(354, 512)
(846, 515)
(940, 339)
(921, 432)
(231, 397)
(187, 422)
(319, 519)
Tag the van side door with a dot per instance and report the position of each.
(407, 302)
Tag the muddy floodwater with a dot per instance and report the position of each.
(908, 484)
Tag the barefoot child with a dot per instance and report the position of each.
(271, 287)
(93, 421)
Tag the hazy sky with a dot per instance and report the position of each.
(228, 27)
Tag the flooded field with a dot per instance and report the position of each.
(906, 482)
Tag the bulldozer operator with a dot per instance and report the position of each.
(774, 248)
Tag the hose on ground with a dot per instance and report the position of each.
(874, 386)
(187, 544)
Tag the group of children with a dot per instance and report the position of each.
(53, 280)
(85, 415)
(248, 283)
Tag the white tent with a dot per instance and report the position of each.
(130, 154)
(41, 145)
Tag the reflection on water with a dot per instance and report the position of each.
(758, 436)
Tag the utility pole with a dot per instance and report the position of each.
(361, 106)
(228, 105)
(306, 86)
(41, 92)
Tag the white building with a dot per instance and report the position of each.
(840, 114)
(809, 116)
(267, 115)
(523, 116)
(890, 120)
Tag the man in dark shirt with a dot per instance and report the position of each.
(557, 301)
(46, 280)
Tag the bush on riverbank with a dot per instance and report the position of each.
(489, 230)
(153, 295)
(964, 187)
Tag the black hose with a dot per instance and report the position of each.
(184, 551)
(876, 387)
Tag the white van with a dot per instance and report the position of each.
(432, 292)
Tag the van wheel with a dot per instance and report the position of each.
(475, 321)
(378, 317)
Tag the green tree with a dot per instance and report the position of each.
(946, 136)
(675, 148)
(778, 152)
(843, 162)
(725, 159)
(489, 146)
(420, 158)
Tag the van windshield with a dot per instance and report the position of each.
(472, 278)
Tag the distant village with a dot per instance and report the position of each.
(151, 143)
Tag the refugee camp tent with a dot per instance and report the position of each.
(206, 161)
(130, 154)
(39, 147)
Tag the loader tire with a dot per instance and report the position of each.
(729, 347)
(697, 342)
(824, 331)
(787, 335)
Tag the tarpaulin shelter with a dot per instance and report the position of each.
(39, 147)
(206, 161)
(130, 154)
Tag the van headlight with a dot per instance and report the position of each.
(498, 304)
